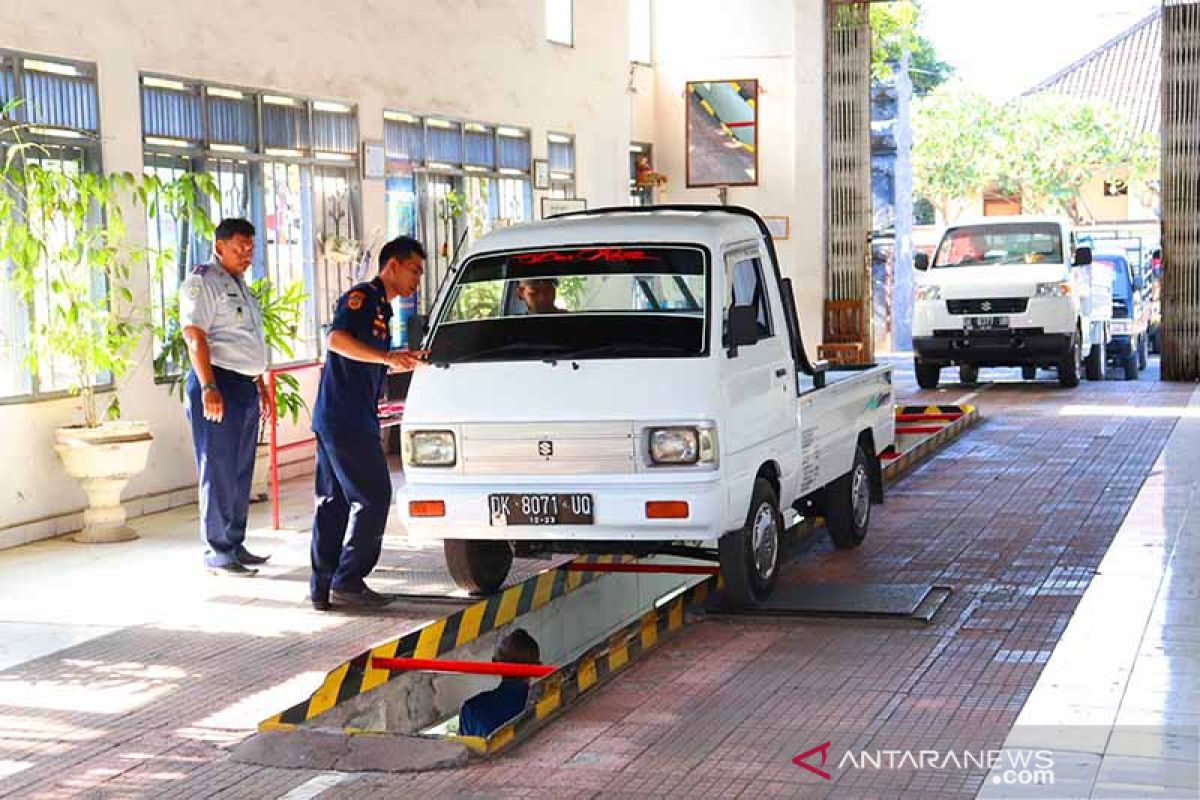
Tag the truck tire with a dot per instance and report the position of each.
(928, 375)
(1131, 366)
(1097, 360)
(1142, 357)
(1068, 368)
(479, 566)
(968, 374)
(1029, 372)
(847, 504)
(750, 555)
(1156, 342)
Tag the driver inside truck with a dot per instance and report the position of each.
(539, 295)
(484, 713)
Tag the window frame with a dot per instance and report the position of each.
(570, 5)
(753, 256)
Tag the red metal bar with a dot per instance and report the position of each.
(506, 669)
(665, 569)
(274, 452)
(919, 429)
(947, 417)
(889, 455)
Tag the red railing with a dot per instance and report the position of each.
(390, 413)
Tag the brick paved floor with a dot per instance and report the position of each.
(1015, 517)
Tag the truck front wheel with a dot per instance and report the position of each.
(750, 555)
(968, 374)
(1029, 372)
(928, 375)
(479, 566)
(1068, 368)
(847, 504)
(1097, 360)
(1141, 350)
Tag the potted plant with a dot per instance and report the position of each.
(281, 313)
(63, 233)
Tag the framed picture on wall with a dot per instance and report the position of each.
(721, 130)
(541, 173)
(560, 205)
(780, 227)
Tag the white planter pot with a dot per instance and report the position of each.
(103, 459)
(260, 486)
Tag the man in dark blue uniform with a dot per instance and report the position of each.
(484, 713)
(224, 392)
(354, 487)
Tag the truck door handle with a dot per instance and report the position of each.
(779, 373)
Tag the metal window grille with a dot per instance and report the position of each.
(513, 150)
(479, 146)
(561, 153)
(172, 112)
(404, 137)
(444, 139)
(335, 130)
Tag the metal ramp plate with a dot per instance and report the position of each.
(912, 601)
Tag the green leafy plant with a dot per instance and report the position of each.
(63, 234)
(281, 313)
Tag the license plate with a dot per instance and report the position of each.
(985, 323)
(540, 509)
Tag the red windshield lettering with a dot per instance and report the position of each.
(590, 255)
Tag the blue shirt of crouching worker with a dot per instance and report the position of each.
(484, 713)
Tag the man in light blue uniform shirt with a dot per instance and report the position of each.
(224, 392)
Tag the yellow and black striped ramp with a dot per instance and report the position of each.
(893, 469)
(358, 676)
(553, 694)
(933, 410)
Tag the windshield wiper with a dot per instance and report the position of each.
(548, 350)
(623, 348)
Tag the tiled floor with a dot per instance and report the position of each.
(143, 669)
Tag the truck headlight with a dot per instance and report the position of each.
(682, 445)
(430, 449)
(929, 293)
(1053, 290)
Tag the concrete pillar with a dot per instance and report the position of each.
(809, 222)
(1181, 190)
(902, 257)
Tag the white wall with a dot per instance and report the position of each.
(780, 43)
(486, 60)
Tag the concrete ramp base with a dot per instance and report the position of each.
(367, 752)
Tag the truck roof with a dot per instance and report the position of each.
(1011, 220)
(702, 226)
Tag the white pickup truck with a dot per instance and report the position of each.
(628, 378)
(1011, 292)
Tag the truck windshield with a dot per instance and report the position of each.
(592, 302)
(973, 245)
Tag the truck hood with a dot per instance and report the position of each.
(533, 391)
(992, 280)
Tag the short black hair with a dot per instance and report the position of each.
(518, 647)
(400, 248)
(233, 226)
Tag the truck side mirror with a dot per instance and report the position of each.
(921, 262)
(1083, 256)
(417, 326)
(743, 327)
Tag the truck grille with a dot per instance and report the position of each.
(552, 448)
(995, 305)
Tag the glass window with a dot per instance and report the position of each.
(596, 302)
(1019, 243)
(746, 289)
(640, 31)
(560, 21)
(560, 149)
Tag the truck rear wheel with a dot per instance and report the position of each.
(1131, 365)
(1029, 372)
(928, 375)
(1096, 361)
(847, 504)
(968, 374)
(479, 566)
(750, 555)
(1142, 346)
(1068, 368)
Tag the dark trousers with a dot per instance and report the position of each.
(225, 462)
(354, 495)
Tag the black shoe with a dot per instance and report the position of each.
(367, 598)
(320, 603)
(235, 569)
(249, 559)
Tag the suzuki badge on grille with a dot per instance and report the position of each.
(545, 448)
(986, 306)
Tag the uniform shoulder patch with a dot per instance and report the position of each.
(355, 301)
(200, 269)
(193, 290)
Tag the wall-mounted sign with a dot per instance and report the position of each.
(541, 173)
(374, 161)
(721, 126)
(780, 227)
(560, 205)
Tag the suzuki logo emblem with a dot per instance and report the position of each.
(545, 448)
(986, 306)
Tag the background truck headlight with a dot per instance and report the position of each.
(1053, 289)
(430, 449)
(682, 445)
(929, 293)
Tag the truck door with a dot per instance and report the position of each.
(759, 383)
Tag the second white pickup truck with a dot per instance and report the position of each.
(628, 378)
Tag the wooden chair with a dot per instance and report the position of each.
(845, 333)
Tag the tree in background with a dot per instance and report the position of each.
(1044, 149)
(895, 31)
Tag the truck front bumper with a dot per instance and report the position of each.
(1005, 348)
(619, 511)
